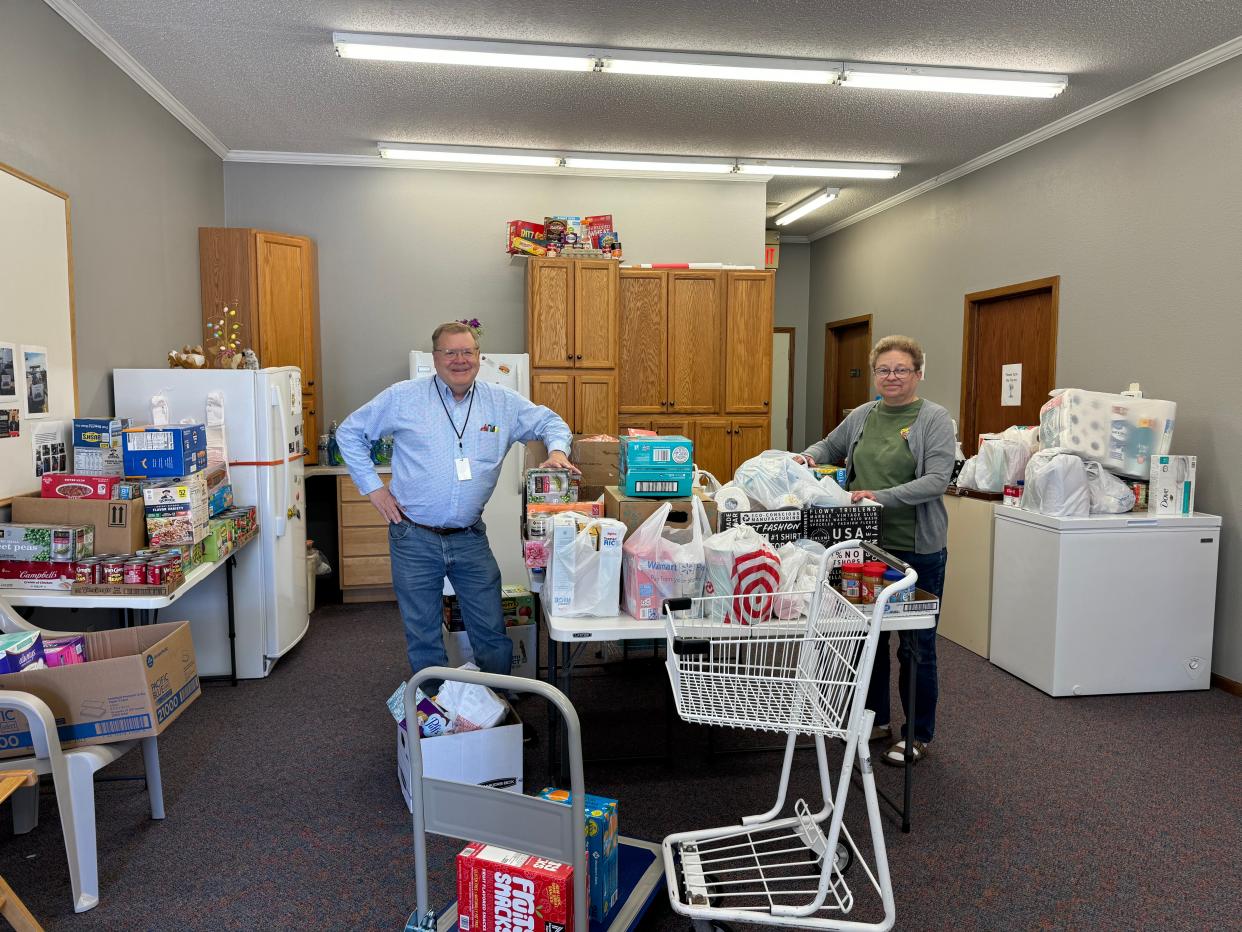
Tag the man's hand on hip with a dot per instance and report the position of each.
(558, 460)
(386, 505)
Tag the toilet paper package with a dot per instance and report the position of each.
(1121, 433)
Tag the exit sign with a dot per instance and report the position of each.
(771, 256)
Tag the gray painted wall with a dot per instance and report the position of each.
(793, 306)
(403, 250)
(139, 184)
(1140, 213)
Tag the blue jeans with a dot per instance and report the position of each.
(918, 647)
(420, 561)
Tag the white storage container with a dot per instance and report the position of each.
(1119, 432)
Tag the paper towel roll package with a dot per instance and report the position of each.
(731, 498)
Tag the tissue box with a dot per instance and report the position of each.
(22, 650)
(165, 451)
(1172, 488)
(66, 651)
(499, 889)
(68, 485)
(601, 848)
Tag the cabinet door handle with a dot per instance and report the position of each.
(310, 384)
(570, 356)
(579, 356)
(765, 404)
(672, 404)
(311, 412)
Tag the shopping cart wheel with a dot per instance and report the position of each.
(844, 859)
(709, 925)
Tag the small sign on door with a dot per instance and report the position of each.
(1011, 385)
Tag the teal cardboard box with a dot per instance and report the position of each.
(601, 849)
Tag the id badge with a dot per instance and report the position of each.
(463, 468)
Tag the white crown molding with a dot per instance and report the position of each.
(374, 161)
(94, 33)
(796, 240)
(1179, 72)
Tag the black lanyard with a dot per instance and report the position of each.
(470, 407)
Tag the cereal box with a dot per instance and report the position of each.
(601, 848)
(499, 890)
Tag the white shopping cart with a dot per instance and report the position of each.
(806, 676)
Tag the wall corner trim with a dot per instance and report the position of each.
(1178, 72)
(95, 34)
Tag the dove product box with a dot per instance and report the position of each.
(601, 848)
(22, 650)
(138, 682)
(166, 451)
(98, 433)
(1172, 487)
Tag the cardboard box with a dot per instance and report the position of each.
(221, 535)
(634, 511)
(138, 682)
(36, 574)
(166, 451)
(525, 644)
(830, 526)
(499, 890)
(598, 460)
(176, 510)
(657, 482)
(516, 603)
(45, 542)
(21, 650)
(99, 433)
(120, 527)
(664, 452)
(69, 485)
(98, 462)
(487, 757)
(1172, 487)
(601, 849)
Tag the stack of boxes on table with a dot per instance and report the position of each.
(137, 513)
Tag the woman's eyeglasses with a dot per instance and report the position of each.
(900, 372)
(457, 353)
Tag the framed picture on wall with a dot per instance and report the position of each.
(8, 372)
(34, 364)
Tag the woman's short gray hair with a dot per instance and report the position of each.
(901, 344)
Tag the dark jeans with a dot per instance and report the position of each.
(420, 561)
(917, 647)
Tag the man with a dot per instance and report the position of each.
(450, 435)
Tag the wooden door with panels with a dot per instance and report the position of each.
(287, 318)
(595, 314)
(695, 331)
(594, 403)
(713, 446)
(554, 390)
(847, 368)
(748, 438)
(550, 313)
(642, 351)
(1009, 357)
(748, 331)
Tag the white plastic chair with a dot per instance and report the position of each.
(73, 775)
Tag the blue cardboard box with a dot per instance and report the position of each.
(671, 451)
(98, 433)
(168, 451)
(601, 849)
(220, 499)
(645, 482)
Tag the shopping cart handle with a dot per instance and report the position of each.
(678, 605)
(691, 647)
(884, 556)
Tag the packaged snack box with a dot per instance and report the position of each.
(502, 889)
(165, 451)
(601, 848)
(69, 485)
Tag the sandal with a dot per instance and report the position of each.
(880, 732)
(896, 755)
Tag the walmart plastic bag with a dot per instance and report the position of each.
(584, 570)
(741, 565)
(660, 562)
(1056, 484)
(1109, 495)
(774, 480)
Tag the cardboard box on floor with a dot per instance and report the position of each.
(120, 527)
(596, 459)
(487, 757)
(457, 646)
(634, 511)
(136, 683)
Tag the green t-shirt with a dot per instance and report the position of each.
(882, 460)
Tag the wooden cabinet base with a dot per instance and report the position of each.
(369, 594)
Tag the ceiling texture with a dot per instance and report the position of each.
(262, 75)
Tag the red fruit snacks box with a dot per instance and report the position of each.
(499, 890)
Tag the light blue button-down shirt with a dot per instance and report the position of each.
(425, 446)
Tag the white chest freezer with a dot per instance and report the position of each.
(1105, 604)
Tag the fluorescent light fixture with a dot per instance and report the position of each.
(801, 209)
(808, 169)
(477, 155)
(606, 161)
(437, 51)
(723, 67)
(953, 80)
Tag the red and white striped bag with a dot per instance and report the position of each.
(742, 564)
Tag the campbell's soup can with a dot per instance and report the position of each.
(1013, 495)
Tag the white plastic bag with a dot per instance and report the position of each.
(799, 569)
(584, 571)
(774, 480)
(1109, 495)
(661, 562)
(471, 707)
(968, 477)
(741, 562)
(1056, 484)
(990, 467)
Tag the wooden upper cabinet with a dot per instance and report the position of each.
(750, 437)
(748, 343)
(550, 313)
(712, 447)
(642, 325)
(285, 328)
(554, 390)
(695, 333)
(595, 314)
(595, 403)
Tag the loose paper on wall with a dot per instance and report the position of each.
(1011, 385)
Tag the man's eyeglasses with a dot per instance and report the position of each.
(457, 353)
(901, 372)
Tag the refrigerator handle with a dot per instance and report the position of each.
(282, 511)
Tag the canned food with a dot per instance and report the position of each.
(135, 573)
(84, 572)
(157, 573)
(113, 572)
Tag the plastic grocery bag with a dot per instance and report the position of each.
(741, 562)
(774, 480)
(1109, 495)
(584, 568)
(659, 562)
(472, 707)
(1056, 484)
(799, 570)
(968, 477)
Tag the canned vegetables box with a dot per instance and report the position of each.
(36, 574)
(221, 535)
(601, 848)
(22, 650)
(46, 542)
(138, 682)
(500, 889)
(165, 451)
(551, 486)
(68, 485)
(656, 451)
(516, 604)
(99, 432)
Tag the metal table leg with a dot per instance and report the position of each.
(909, 754)
(228, 585)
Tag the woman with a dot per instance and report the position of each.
(900, 451)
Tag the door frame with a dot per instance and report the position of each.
(970, 318)
(831, 400)
(793, 359)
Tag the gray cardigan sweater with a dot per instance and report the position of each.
(933, 445)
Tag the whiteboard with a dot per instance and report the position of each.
(36, 314)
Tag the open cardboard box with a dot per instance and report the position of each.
(120, 526)
(487, 757)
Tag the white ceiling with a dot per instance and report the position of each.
(262, 75)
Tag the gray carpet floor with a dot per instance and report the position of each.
(284, 812)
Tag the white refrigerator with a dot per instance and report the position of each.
(1104, 604)
(504, 509)
(261, 413)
